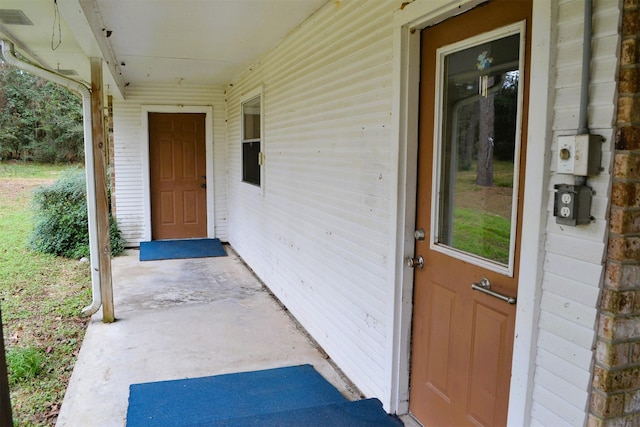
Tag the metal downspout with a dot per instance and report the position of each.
(8, 52)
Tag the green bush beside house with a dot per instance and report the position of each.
(61, 221)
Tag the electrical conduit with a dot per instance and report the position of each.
(583, 123)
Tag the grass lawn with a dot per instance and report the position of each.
(41, 299)
(483, 214)
(483, 234)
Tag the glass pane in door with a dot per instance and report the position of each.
(478, 149)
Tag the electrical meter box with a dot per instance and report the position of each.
(579, 154)
(572, 204)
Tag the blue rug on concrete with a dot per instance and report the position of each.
(361, 413)
(179, 249)
(291, 396)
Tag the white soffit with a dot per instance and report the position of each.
(182, 42)
(47, 41)
(205, 42)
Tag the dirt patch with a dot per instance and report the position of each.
(13, 189)
(495, 200)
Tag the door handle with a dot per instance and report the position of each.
(203, 185)
(484, 286)
(414, 262)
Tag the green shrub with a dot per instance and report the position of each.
(24, 363)
(61, 222)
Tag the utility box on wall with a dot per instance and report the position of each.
(572, 204)
(579, 155)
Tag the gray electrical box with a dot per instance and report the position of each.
(572, 204)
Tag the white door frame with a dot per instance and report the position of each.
(406, 75)
(146, 180)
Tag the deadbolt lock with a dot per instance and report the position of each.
(419, 234)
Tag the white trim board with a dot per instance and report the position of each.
(144, 120)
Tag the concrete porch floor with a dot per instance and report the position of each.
(183, 319)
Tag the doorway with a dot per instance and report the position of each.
(177, 174)
(473, 101)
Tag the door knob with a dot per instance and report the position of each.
(414, 262)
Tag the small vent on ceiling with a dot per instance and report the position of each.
(14, 17)
(67, 72)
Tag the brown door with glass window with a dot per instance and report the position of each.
(473, 97)
(178, 175)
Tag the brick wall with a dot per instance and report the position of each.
(615, 396)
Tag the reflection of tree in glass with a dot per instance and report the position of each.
(506, 105)
(485, 136)
(487, 126)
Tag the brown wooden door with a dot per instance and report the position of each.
(178, 175)
(474, 94)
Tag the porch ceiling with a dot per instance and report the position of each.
(181, 42)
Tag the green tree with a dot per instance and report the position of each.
(62, 139)
(18, 112)
(39, 120)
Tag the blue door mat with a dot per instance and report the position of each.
(290, 396)
(180, 249)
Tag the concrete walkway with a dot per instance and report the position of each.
(182, 319)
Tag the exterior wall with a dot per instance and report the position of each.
(319, 235)
(130, 151)
(615, 398)
(573, 263)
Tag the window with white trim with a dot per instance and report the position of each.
(252, 140)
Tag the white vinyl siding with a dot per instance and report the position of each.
(319, 235)
(129, 152)
(573, 265)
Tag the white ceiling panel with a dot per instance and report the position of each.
(189, 42)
